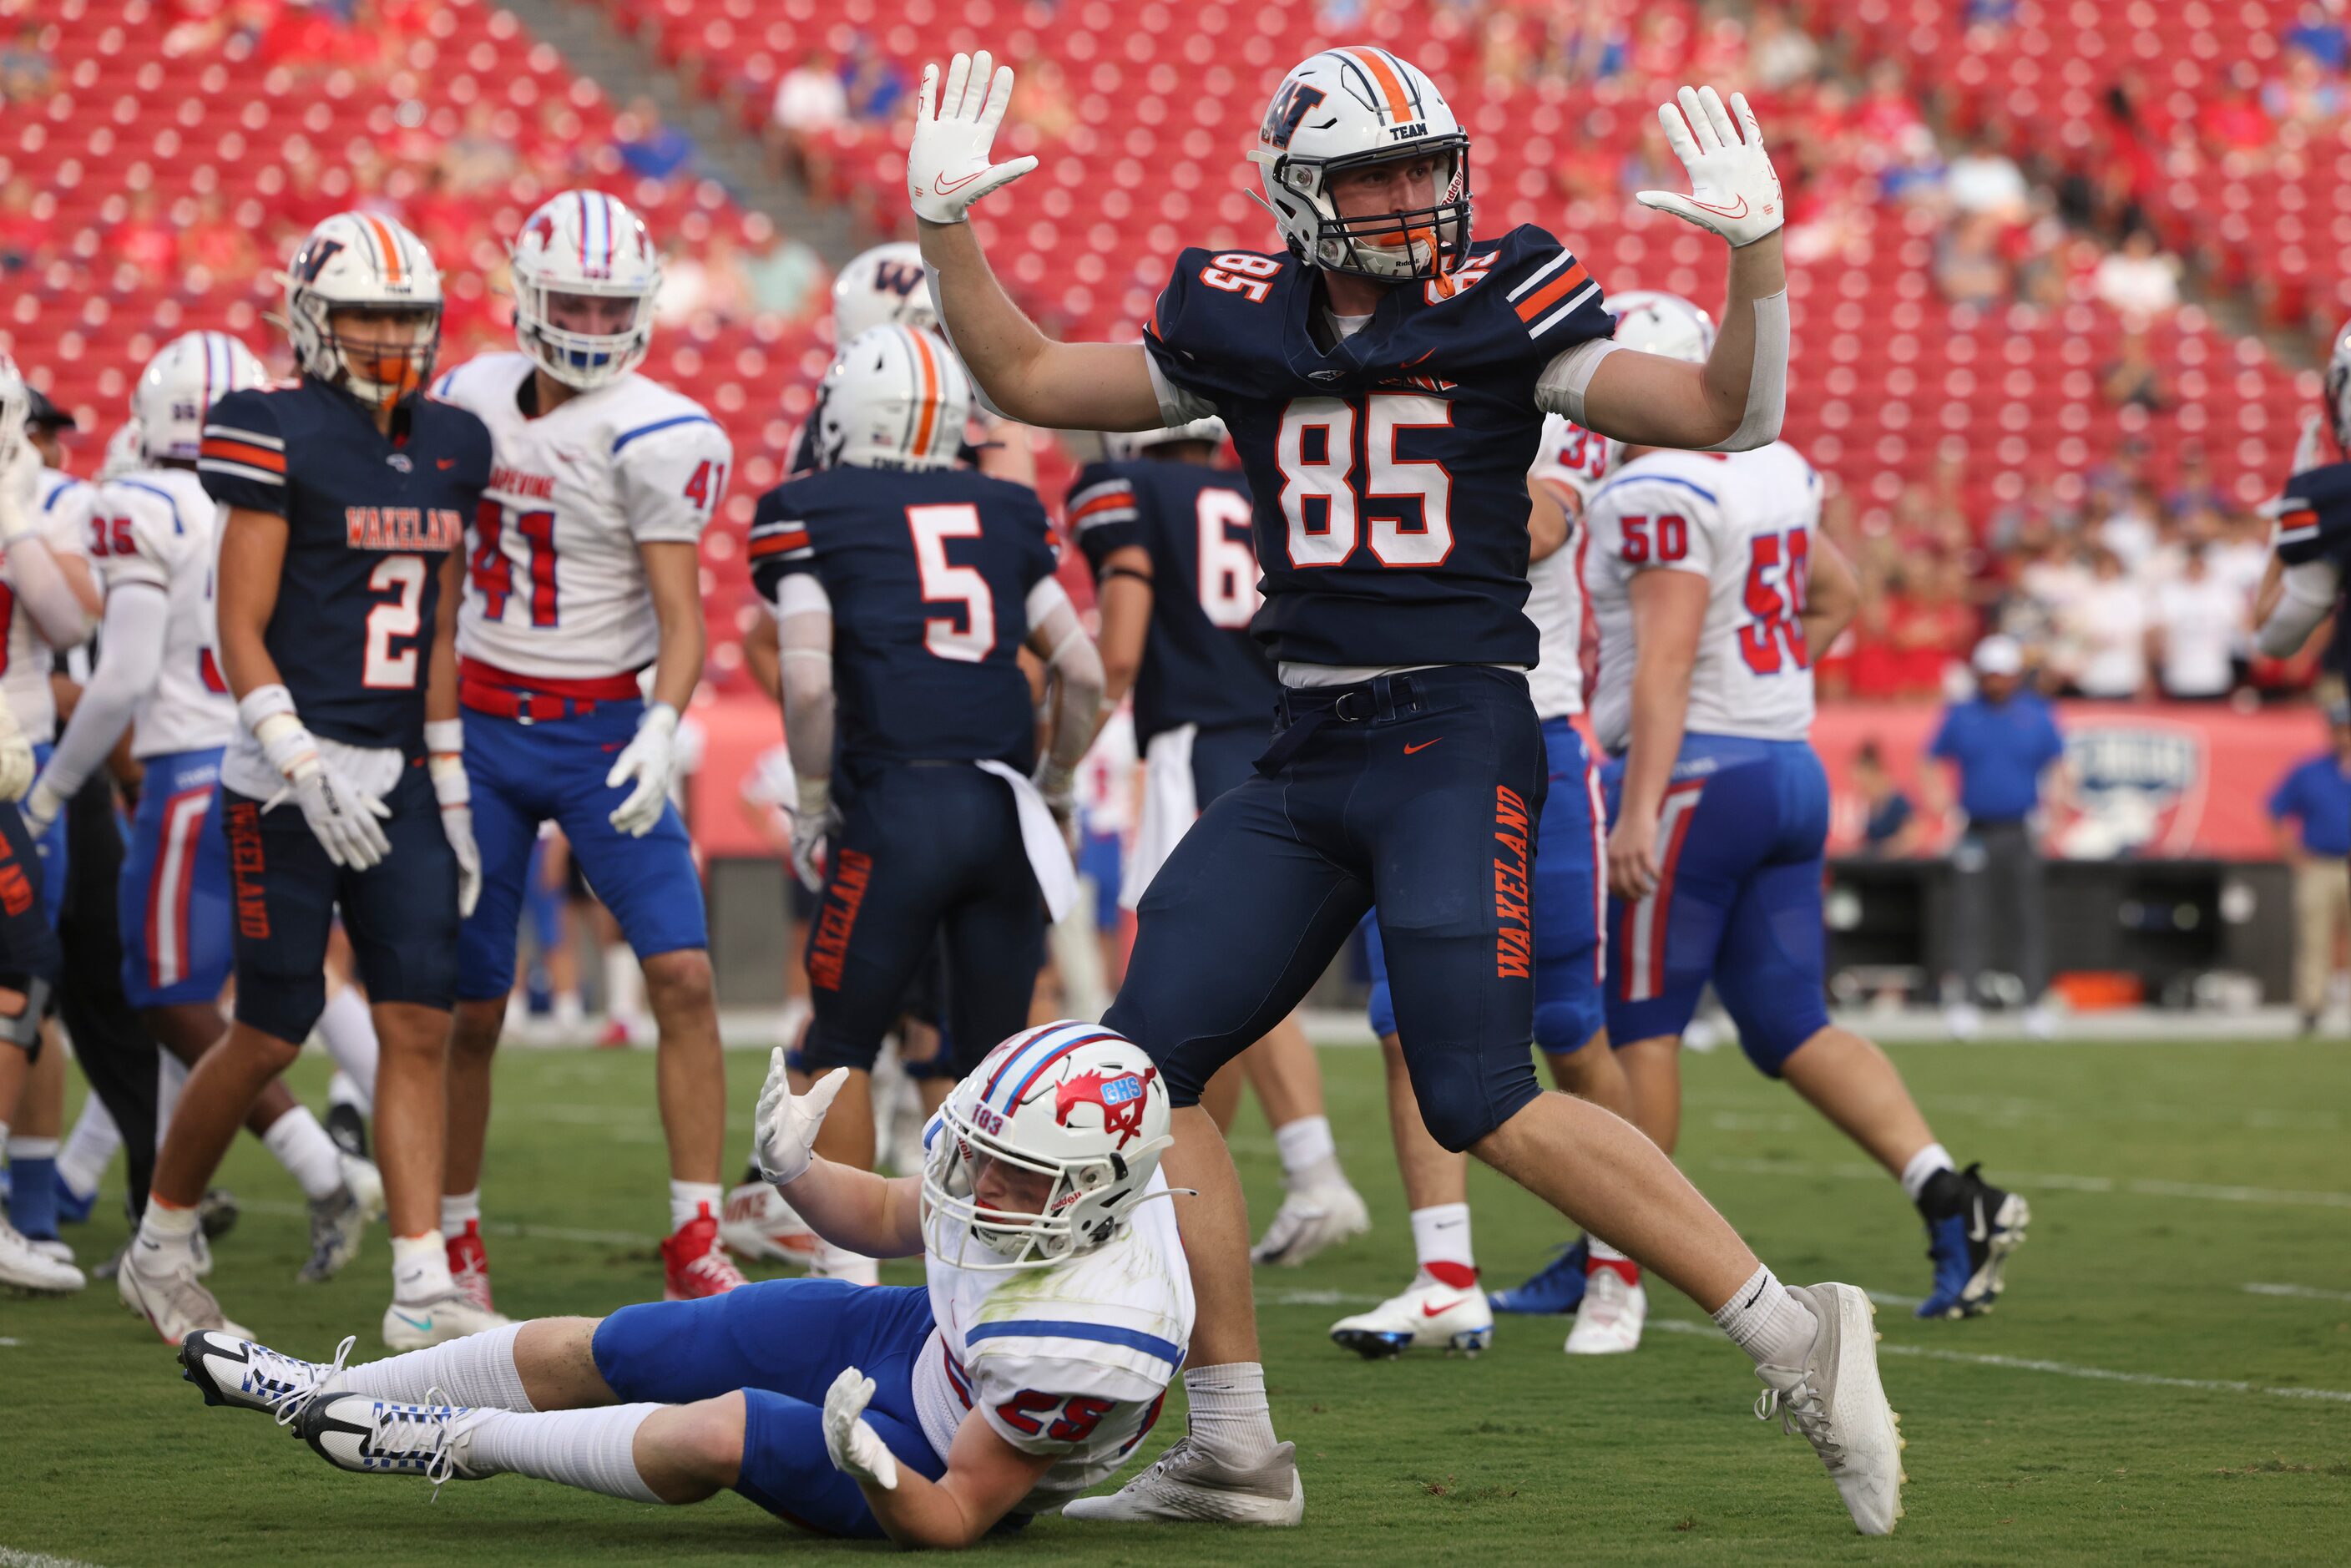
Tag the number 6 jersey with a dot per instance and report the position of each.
(555, 586)
(1743, 520)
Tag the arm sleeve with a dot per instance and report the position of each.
(1101, 514)
(779, 544)
(243, 459)
(130, 660)
(804, 651)
(672, 477)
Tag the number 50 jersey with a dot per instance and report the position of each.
(555, 586)
(1743, 521)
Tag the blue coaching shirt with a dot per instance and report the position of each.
(2000, 749)
(2318, 795)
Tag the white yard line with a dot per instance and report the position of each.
(12, 1558)
(2025, 1182)
(2300, 1292)
(489, 1228)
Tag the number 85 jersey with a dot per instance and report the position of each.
(554, 586)
(1743, 520)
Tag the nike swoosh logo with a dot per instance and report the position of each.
(1428, 1312)
(1424, 745)
(445, 463)
(948, 187)
(424, 1325)
(1978, 1230)
(1738, 212)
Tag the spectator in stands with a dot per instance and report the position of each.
(2004, 745)
(2303, 94)
(876, 85)
(23, 232)
(2133, 379)
(2104, 634)
(1968, 266)
(2314, 798)
(1890, 829)
(810, 105)
(1984, 182)
(27, 74)
(2198, 622)
(2134, 528)
(649, 149)
(784, 277)
(2138, 279)
(1781, 56)
(2317, 31)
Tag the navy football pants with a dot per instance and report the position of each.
(928, 852)
(1417, 794)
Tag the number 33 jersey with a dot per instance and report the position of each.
(1743, 521)
(555, 586)
(1390, 472)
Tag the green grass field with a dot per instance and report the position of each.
(2168, 1379)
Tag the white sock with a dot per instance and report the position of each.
(624, 984)
(167, 1236)
(170, 1074)
(569, 1010)
(478, 1370)
(309, 1156)
(347, 1028)
(1763, 1319)
(1923, 1167)
(594, 1451)
(456, 1210)
(420, 1267)
(1304, 1144)
(89, 1148)
(687, 1200)
(1229, 1415)
(23, 1148)
(1440, 1234)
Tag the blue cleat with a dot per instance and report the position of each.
(1556, 1289)
(74, 1207)
(1970, 1241)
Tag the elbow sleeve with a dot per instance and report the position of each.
(2310, 592)
(1767, 379)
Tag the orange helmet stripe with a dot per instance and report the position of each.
(1381, 71)
(387, 249)
(929, 371)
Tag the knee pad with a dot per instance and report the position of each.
(1564, 1028)
(285, 1008)
(944, 1064)
(24, 1030)
(1462, 1101)
(1770, 1044)
(817, 1053)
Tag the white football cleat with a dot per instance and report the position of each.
(362, 1432)
(413, 1325)
(170, 1298)
(758, 1223)
(248, 1376)
(1428, 1313)
(55, 1248)
(337, 1222)
(1609, 1321)
(1838, 1402)
(25, 1269)
(1186, 1485)
(1311, 1219)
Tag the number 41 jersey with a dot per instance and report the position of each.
(1743, 521)
(1390, 472)
(555, 586)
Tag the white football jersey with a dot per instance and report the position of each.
(554, 586)
(1071, 1360)
(1575, 457)
(25, 680)
(159, 525)
(1743, 520)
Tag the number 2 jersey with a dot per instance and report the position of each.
(1743, 521)
(369, 518)
(160, 528)
(1390, 470)
(555, 586)
(1200, 664)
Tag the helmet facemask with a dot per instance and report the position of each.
(1082, 1201)
(379, 371)
(2338, 396)
(1423, 243)
(581, 359)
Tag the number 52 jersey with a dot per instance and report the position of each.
(1743, 520)
(555, 586)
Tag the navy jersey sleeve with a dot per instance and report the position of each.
(1102, 513)
(1553, 298)
(1197, 325)
(2314, 516)
(779, 543)
(243, 459)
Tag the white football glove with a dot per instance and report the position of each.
(1733, 188)
(813, 834)
(16, 765)
(648, 760)
(346, 819)
(444, 741)
(948, 168)
(784, 1124)
(857, 1449)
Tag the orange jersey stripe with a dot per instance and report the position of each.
(1390, 84)
(1104, 503)
(778, 544)
(239, 452)
(2304, 519)
(386, 246)
(1551, 293)
(929, 371)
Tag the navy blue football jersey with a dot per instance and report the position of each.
(1390, 473)
(1200, 664)
(929, 576)
(369, 522)
(2314, 524)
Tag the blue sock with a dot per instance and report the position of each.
(33, 1199)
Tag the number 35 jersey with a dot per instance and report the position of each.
(555, 586)
(1743, 521)
(1390, 472)
(159, 527)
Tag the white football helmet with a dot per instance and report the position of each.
(584, 243)
(15, 402)
(361, 260)
(180, 385)
(1073, 1104)
(880, 287)
(2338, 390)
(1345, 109)
(1118, 445)
(126, 450)
(1664, 324)
(895, 398)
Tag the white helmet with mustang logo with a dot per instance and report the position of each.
(1351, 107)
(1072, 1103)
(180, 385)
(589, 244)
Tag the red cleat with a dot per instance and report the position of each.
(695, 1263)
(469, 1265)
